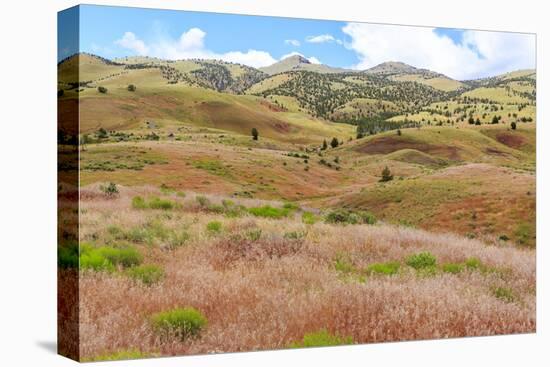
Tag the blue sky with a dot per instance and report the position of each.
(259, 41)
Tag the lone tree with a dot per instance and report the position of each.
(478, 122)
(495, 120)
(399, 132)
(325, 145)
(386, 175)
(101, 89)
(255, 133)
(513, 125)
(471, 120)
(334, 143)
(131, 88)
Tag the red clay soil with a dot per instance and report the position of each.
(389, 144)
(512, 140)
(273, 107)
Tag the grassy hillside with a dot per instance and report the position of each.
(474, 181)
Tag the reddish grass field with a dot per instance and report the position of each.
(292, 279)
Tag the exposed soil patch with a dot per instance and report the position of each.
(388, 144)
(511, 140)
(273, 107)
(227, 116)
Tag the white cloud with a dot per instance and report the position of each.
(294, 43)
(311, 59)
(193, 39)
(479, 54)
(191, 44)
(252, 58)
(131, 42)
(320, 38)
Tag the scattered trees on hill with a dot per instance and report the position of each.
(386, 175)
(101, 89)
(131, 88)
(255, 133)
(334, 143)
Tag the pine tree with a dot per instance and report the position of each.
(386, 175)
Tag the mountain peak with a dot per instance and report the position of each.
(296, 59)
(392, 67)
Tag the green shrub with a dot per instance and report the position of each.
(138, 235)
(153, 203)
(178, 239)
(139, 203)
(180, 322)
(158, 203)
(389, 268)
(291, 206)
(203, 201)
(110, 190)
(228, 204)
(473, 263)
(90, 258)
(124, 256)
(344, 216)
(321, 338)
(131, 88)
(505, 294)
(421, 260)
(294, 235)
(268, 211)
(525, 234)
(106, 258)
(452, 268)
(309, 218)
(101, 89)
(165, 189)
(214, 226)
(147, 274)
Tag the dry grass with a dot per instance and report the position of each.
(268, 290)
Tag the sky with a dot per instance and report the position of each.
(259, 41)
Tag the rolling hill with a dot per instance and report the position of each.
(352, 177)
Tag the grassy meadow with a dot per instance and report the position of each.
(353, 217)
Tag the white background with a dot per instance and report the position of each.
(28, 182)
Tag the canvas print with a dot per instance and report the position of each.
(233, 183)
